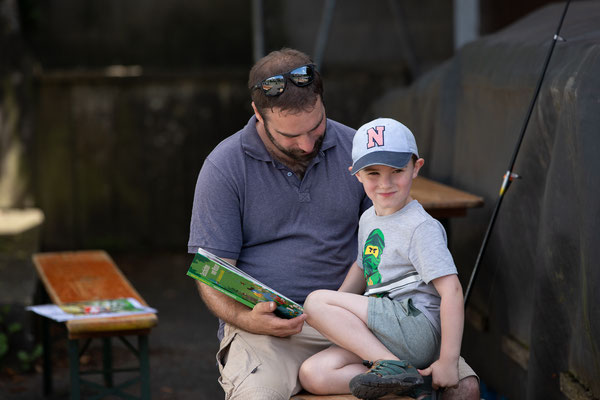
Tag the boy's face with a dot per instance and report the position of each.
(388, 187)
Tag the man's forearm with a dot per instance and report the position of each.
(222, 306)
(259, 320)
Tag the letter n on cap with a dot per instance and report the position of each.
(375, 136)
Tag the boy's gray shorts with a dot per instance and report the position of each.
(404, 330)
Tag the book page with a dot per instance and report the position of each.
(221, 275)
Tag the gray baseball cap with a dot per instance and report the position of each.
(383, 141)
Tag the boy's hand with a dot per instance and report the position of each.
(444, 374)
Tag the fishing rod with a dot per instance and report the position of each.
(509, 176)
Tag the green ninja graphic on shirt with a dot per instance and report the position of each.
(372, 256)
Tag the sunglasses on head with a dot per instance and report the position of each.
(275, 85)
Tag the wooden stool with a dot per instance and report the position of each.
(92, 275)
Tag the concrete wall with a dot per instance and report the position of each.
(15, 110)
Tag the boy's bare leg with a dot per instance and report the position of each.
(329, 371)
(342, 318)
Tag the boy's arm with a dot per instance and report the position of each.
(444, 371)
(354, 281)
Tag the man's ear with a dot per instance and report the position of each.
(258, 116)
(418, 164)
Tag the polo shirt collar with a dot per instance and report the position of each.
(254, 146)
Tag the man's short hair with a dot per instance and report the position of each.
(294, 98)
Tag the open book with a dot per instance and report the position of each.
(235, 283)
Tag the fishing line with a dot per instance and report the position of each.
(509, 176)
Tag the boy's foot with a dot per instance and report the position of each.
(424, 391)
(383, 377)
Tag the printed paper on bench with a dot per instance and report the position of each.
(91, 309)
(235, 283)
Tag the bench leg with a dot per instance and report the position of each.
(47, 356)
(107, 364)
(74, 369)
(144, 366)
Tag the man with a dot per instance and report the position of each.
(276, 199)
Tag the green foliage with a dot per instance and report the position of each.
(13, 328)
(8, 329)
(3, 345)
(28, 359)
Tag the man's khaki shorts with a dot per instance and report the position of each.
(264, 367)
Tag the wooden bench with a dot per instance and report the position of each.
(306, 396)
(92, 275)
(443, 201)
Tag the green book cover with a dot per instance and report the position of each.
(228, 279)
(102, 306)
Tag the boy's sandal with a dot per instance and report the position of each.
(423, 391)
(383, 377)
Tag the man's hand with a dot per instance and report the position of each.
(259, 320)
(444, 374)
(262, 321)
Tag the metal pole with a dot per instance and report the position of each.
(406, 46)
(258, 31)
(322, 36)
(509, 175)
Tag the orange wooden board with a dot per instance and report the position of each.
(89, 275)
(441, 200)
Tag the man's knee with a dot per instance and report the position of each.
(256, 393)
(468, 389)
(261, 384)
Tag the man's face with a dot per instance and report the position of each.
(297, 136)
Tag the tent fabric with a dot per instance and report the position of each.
(538, 289)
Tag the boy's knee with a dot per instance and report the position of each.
(314, 300)
(310, 378)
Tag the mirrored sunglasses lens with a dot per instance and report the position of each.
(274, 85)
(302, 76)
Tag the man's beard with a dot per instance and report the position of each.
(296, 155)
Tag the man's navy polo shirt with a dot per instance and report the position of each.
(294, 235)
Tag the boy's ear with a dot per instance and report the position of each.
(357, 175)
(418, 164)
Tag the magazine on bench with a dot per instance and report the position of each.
(235, 283)
(91, 309)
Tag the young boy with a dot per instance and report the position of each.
(411, 313)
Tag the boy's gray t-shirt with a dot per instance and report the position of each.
(393, 247)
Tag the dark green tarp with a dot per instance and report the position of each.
(538, 290)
